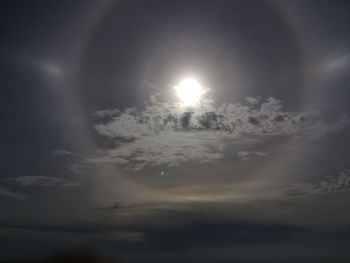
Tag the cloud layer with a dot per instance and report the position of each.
(168, 134)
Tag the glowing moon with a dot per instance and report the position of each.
(189, 91)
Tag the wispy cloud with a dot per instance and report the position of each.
(24, 181)
(246, 155)
(62, 153)
(4, 192)
(167, 134)
(329, 184)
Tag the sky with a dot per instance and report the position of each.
(98, 153)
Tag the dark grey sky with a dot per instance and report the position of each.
(98, 153)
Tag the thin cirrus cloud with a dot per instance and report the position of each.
(164, 133)
(4, 192)
(246, 155)
(329, 184)
(33, 181)
(62, 153)
(24, 181)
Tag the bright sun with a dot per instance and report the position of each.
(189, 91)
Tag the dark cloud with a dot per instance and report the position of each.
(182, 238)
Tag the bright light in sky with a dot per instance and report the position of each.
(189, 91)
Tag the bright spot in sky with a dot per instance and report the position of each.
(189, 91)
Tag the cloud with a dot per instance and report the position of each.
(332, 183)
(78, 168)
(168, 134)
(63, 153)
(246, 155)
(24, 181)
(338, 63)
(169, 149)
(7, 193)
(157, 238)
(222, 234)
(252, 100)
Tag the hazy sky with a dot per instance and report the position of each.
(97, 152)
